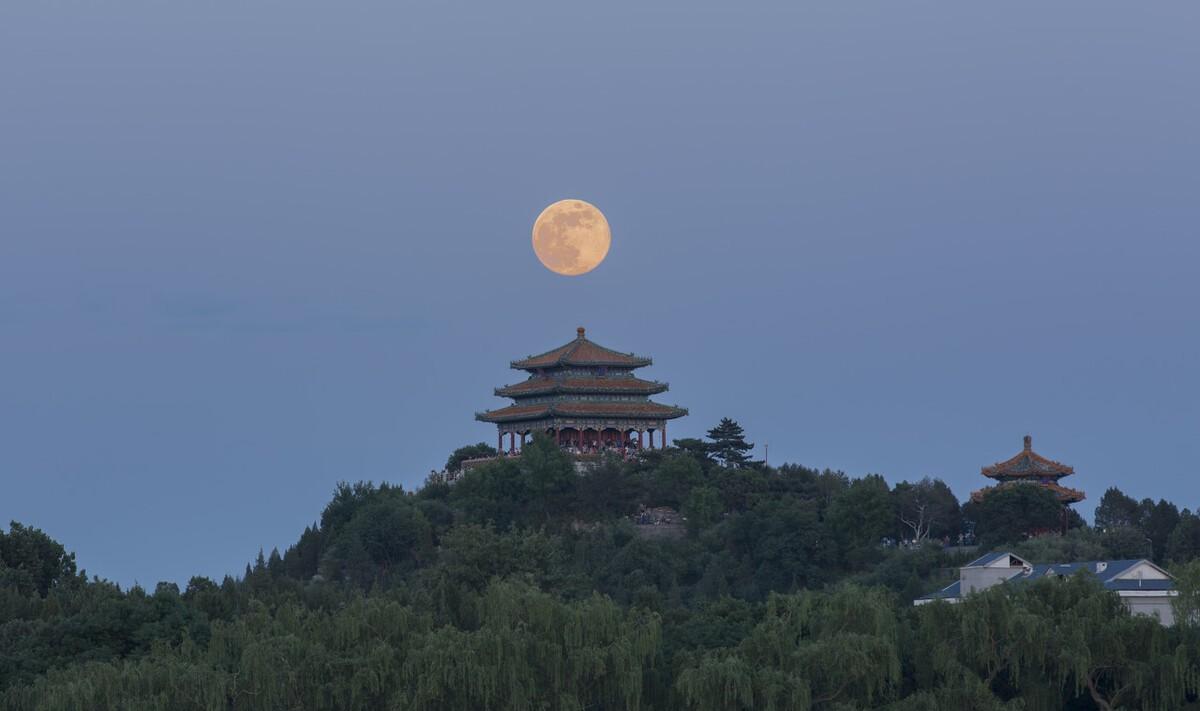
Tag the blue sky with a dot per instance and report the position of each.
(247, 251)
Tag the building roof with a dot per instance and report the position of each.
(1027, 463)
(1108, 572)
(582, 408)
(984, 561)
(547, 386)
(953, 591)
(581, 351)
(1065, 494)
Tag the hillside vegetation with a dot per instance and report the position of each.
(527, 586)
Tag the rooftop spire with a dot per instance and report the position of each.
(579, 332)
(1028, 443)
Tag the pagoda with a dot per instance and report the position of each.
(586, 397)
(1029, 467)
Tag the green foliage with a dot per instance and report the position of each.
(669, 482)
(1117, 510)
(608, 490)
(862, 515)
(1075, 544)
(31, 561)
(524, 585)
(1009, 514)
(1123, 543)
(470, 451)
(1158, 522)
(729, 445)
(1184, 543)
(811, 650)
(702, 508)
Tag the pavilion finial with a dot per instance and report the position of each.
(580, 331)
(1028, 443)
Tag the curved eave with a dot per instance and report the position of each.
(1038, 466)
(518, 413)
(1025, 474)
(1065, 495)
(636, 387)
(531, 365)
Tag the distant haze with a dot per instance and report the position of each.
(250, 250)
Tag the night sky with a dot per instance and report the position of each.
(249, 250)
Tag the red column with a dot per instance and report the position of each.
(639, 439)
(650, 434)
(512, 442)
(663, 433)
(499, 443)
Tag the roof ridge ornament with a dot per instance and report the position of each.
(579, 332)
(1028, 443)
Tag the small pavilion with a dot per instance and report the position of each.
(1029, 467)
(586, 397)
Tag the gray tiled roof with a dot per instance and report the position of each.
(951, 590)
(1107, 576)
(986, 559)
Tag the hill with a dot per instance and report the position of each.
(527, 585)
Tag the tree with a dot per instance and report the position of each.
(1184, 542)
(1047, 643)
(470, 451)
(811, 651)
(607, 491)
(1075, 544)
(927, 508)
(1158, 521)
(548, 473)
(1125, 542)
(861, 516)
(673, 476)
(32, 561)
(782, 544)
(729, 445)
(702, 508)
(1187, 603)
(697, 448)
(1009, 514)
(1116, 510)
(383, 535)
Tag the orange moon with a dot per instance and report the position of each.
(571, 237)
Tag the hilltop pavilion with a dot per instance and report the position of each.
(1029, 467)
(586, 397)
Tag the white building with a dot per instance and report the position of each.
(1145, 588)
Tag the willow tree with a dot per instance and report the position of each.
(811, 651)
(1048, 643)
(532, 651)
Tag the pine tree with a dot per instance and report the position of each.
(729, 445)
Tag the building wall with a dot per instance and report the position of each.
(1159, 607)
(979, 578)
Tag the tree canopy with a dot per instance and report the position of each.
(530, 585)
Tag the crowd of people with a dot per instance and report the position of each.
(964, 538)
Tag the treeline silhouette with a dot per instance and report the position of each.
(527, 585)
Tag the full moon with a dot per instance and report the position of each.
(571, 237)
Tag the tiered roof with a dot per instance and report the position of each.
(550, 386)
(583, 408)
(581, 380)
(1027, 463)
(1027, 466)
(583, 352)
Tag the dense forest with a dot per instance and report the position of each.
(529, 585)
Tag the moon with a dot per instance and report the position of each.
(571, 237)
